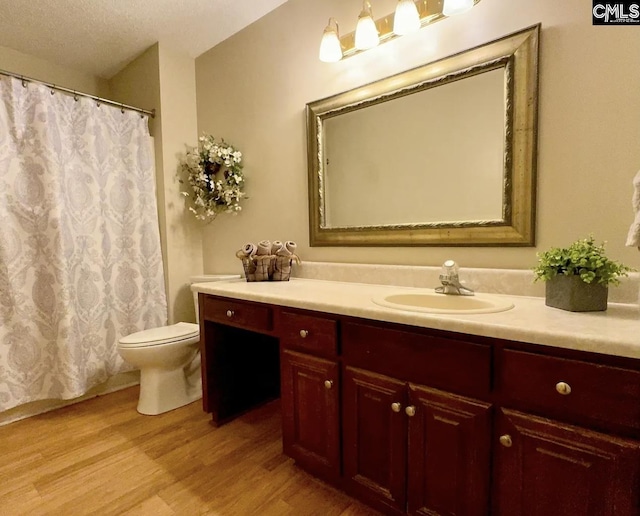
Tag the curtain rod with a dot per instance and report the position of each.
(77, 94)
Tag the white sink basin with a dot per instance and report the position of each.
(433, 303)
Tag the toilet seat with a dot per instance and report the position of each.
(162, 335)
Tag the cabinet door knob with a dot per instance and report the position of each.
(229, 313)
(563, 388)
(328, 384)
(410, 411)
(505, 440)
(304, 333)
(396, 407)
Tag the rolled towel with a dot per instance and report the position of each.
(287, 249)
(276, 247)
(291, 246)
(264, 248)
(249, 249)
(247, 255)
(633, 238)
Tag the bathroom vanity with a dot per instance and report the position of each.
(528, 411)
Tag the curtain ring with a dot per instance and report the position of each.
(24, 81)
(75, 96)
(53, 91)
(122, 108)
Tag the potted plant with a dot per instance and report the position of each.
(577, 277)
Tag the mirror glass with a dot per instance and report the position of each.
(443, 154)
(401, 168)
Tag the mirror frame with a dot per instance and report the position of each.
(518, 55)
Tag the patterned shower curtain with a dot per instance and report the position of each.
(80, 258)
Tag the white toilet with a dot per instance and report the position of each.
(169, 361)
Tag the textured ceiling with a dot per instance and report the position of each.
(102, 36)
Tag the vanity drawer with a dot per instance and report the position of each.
(573, 390)
(446, 363)
(238, 313)
(317, 335)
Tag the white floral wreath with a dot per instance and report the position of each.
(214, 171)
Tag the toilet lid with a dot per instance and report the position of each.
(175, 332)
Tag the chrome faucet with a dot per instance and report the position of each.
(451, 282)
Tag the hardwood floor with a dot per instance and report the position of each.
(102, 457)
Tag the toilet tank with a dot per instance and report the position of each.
(206, 278)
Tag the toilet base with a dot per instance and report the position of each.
(163, 390)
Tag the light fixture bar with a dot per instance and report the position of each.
(430, 11)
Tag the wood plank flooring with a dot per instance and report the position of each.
(101, 457)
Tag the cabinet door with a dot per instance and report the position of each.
(449, 453)
(543, 467)
(310, 413)
(375, 438)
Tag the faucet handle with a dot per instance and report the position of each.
(450, 265)
(449, 271)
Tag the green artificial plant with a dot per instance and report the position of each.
(582, 258)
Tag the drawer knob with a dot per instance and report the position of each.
(230, 313)
(396, 407)
(505, 440)
(328, 384)
(304, 333)
(563, 388)
(410, 411)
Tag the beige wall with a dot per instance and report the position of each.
(179, 128)
(36, 68)
(165, 80)
(253, 87)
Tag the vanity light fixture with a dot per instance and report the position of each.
(409, 16)
(366, 30)
(453, 7)
(406, 18)
(330, 48)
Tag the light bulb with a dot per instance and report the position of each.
(330, 48)
(453, 7)
(406, 19)
(366, 30)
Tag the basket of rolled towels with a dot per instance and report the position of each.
(268, 261)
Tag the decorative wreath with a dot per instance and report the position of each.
(214, 170)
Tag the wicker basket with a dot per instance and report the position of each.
(267, 267)
(249, 267)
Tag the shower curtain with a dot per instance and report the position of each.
(80, 258)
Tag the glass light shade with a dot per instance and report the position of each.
(453, 7)
(330, 48)
(366, 31)
(406, 18)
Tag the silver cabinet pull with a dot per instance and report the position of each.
(304, 333)
(563, 388)
(396, 407)
(328, 384)
(410, 411)
(505, 440)
(230, 313)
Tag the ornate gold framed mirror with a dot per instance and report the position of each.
(443, 154)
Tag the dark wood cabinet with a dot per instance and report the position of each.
(410, 447)
(310, 375)
(428, 422)
(375, 439)
(544, 467)
(311, 413)
(449, 453)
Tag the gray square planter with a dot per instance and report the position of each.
(572, 294)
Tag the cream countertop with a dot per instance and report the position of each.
(614, 332)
